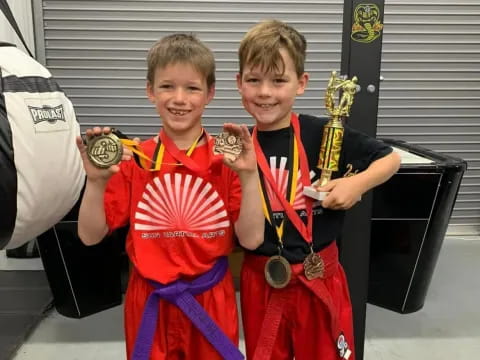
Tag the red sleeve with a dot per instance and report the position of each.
(117, 197)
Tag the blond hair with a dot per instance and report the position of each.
(184, 49)
(261, 47)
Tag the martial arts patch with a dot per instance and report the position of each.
(342, 346)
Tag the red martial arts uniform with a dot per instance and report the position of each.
(303, 318)
(181, 223)
(307, 319)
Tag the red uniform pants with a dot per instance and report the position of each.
(304, 331)
(176, 337)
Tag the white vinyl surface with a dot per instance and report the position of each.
(410, 158)
(446, 328)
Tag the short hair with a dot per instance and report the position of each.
(181, 48)
(262, 43)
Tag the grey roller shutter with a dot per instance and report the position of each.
(431, 92)
(97, 50)
(431, 56)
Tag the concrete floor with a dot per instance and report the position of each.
(448, 327)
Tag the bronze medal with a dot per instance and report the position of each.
(278, 272)
(228, 144)
(104, 150)
(314, 266)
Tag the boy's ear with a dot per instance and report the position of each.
(211, 93)
(149, 91)
(302, 83)
(239, 82)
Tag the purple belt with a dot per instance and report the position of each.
(181, 294)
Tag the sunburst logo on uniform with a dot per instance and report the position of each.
(280, 175)
(183, 205)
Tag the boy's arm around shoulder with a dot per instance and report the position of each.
(345, 192)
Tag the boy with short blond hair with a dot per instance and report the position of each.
(182, 212)
(289, 312)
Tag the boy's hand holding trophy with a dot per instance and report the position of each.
(333, 131)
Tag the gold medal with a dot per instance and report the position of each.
(104, 150)
(314, 266)
(228, 144)
(278, 272)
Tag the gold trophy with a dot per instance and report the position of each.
(333, 131)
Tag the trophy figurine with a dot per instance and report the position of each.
(333, 131)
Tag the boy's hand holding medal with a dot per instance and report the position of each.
(235, 143)
(101, 151)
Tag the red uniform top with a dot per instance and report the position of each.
(180, 221)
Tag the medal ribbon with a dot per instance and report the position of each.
(181, 157)
(291, 184)
(141, 159)
(298, 152)
(144, 161)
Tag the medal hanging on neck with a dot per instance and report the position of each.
(165, 143)
(277, 268)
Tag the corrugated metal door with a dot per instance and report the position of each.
(97, 50)
(431, 92)
(430, 61)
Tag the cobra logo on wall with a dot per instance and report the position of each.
(367, 25)
(41, 173)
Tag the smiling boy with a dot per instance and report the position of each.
(302, 317)
(182, 213)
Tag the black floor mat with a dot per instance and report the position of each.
(24, 298)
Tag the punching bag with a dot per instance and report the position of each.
(41, 173)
